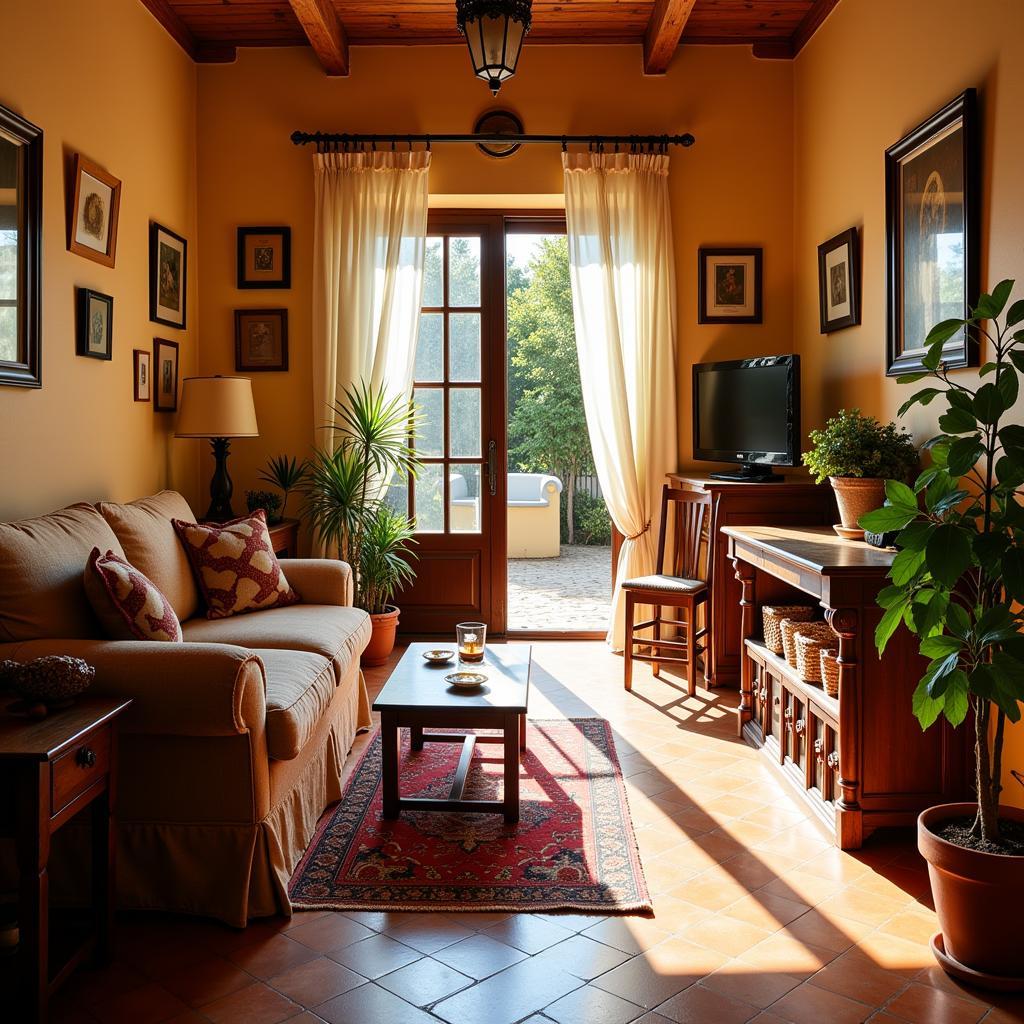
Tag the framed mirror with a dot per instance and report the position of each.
(21, 230)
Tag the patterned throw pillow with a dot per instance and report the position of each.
(235, 565)
(127, 603)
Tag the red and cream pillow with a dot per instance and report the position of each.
(127, 603)
(235, 565)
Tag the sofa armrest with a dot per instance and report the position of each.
(320, 580)
(181, 689)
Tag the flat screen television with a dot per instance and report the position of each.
(747, 411)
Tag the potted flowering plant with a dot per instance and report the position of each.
(958, 583)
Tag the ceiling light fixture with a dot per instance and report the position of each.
(494, 31)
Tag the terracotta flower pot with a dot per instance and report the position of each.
(856, 495)
(382, 639)
(979, 900)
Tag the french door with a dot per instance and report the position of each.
(458, 499)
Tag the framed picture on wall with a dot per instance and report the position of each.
(931, 235)
(264, 257)
(261, 340)
(729, 286)
(839, 282)
(165, 393)
(142, 375)
(168, 276)
(94, 324)
(93, 212)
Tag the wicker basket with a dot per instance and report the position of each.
(829, 664)
(789, 629)
(810, 641)
(773, 614)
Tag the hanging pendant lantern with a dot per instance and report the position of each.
(494, 30)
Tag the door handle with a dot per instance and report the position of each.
(492, 467)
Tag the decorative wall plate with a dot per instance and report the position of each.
(498, 122)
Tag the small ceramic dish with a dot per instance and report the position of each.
(465, 680)
(438, 657)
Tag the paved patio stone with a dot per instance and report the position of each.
(571, 592)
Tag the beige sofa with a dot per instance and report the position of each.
(236, 739)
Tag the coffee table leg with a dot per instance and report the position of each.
(511, 730)
(522, 731)
(389, 767)
(416, 737)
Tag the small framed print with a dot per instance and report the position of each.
(729, 286)
(94, 327)
(168, 276)
(143, 377)
(839, 282)
(165, 390)
(264, 257)
(261, 340)
(93, 212)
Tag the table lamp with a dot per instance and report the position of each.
(219, 408)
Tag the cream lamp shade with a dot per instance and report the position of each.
(216, 407)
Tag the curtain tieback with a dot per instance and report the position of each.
(646, 527)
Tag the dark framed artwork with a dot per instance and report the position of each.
(839, 282)
(165, 386)
(168, 276)
(264, 257)
(729, 286)
(261, 340)
(931, 235)
(142, 375)
(21, 239)
(93, 211)
(94, 324)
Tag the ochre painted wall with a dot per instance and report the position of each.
(873, 71)
(732, 187)
(100, 77)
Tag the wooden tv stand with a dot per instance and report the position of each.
(792, 501)
(859, 761)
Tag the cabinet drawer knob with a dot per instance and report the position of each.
(86, 757)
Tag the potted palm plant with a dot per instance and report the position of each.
(958, 583)
(345, 486)
(857, 454)
(285, 473)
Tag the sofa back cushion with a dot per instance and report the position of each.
(41, 565)
(150, 544)
(128, 605)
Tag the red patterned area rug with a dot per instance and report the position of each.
(573, 848)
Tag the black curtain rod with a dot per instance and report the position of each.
(344, 139)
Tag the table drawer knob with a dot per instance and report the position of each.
(86, 757)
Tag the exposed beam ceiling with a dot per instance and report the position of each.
(200, 51)
(325, 32)
(787, 49)
(664, 30)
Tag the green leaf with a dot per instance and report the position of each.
(1010, 471)
(948, 553)
(964, 454)
(888, 623)
(926, 478)
(941, 646)
(949, 501)
(888, 596)
(900, 495)
(1008, 385)
(915, 535)
(942, 332)
(1013, 572)
(958, 621)
(906, 566)
(939, 671)
(956, 705)
(988, 549)
(1012, 436)
(924, 396)
(911, 378)
(1010, 680)
(960, 398)
(959, 421)
(928, 616)
(990, 306)
(1015, 313)
(989, 405)
(1017, 357)
(987, 369)
(889, 517)
(926, 708)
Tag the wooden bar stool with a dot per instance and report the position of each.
(686, 588)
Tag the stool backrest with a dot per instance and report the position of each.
(693, 520)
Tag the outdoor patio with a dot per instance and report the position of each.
(570, 592)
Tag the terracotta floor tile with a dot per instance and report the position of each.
(859, 980)
(574, 922)
(429, 933)
(727, 935)
(149, 1004)
(333, 931)
(913, 925)
(528, 933)
(207, 980)
(827, 931)
(892, 954)
(781, 952)
(925, 1003)
(255, 1004)
(425, 982)
(375, 956)
(369, 1003)
(590, 1005)
(315, 982)
(805, 888)
(630, 934)
(765, 910)
(699, 1005)
(583, 957)
(739, 980)
(1008, 1010)
(480, 956)
(271, 956)
(807, 1004)
(858, 905)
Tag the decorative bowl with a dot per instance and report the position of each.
(439, 657)
(465, 680)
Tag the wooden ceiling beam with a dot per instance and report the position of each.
(811, 23)
(201, 52)
(325, 32)
(661, 40)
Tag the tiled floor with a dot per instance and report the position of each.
(757, 917)
(571, 592)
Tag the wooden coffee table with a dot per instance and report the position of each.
(417, 697)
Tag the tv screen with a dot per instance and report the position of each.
(747, 411)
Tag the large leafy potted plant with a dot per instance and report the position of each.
(345, 488)
(957, 583)
(857, 454)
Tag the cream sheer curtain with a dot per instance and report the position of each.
(369, 243)
(624, 306)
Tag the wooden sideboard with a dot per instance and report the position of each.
(860, 761)
(792, 501)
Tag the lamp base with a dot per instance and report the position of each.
(220, 509)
